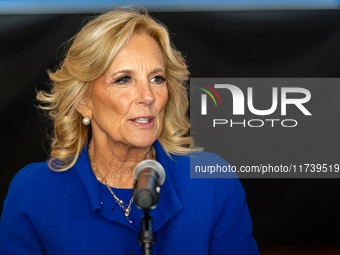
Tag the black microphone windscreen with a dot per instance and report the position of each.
(149, 163)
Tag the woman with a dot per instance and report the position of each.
(118, 98)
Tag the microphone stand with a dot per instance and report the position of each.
(149, 175)
(146, 235)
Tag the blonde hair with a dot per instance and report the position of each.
(91, 53)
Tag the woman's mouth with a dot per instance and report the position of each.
(142, 120)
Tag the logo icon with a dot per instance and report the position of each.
(204, 97)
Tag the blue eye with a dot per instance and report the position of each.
(123, 80)
(158, 79)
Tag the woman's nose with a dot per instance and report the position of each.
(146, 94)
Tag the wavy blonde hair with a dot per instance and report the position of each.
(91, 52)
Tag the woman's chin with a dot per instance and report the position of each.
(143, 142)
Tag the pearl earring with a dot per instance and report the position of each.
(86, 121)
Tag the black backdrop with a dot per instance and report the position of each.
(216, 44)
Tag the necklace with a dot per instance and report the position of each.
(121, 204)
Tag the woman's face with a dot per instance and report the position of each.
(127, 103)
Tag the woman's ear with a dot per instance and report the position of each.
(83, 108)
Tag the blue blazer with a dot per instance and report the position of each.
(70, 212)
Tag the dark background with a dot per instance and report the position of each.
(285, 212)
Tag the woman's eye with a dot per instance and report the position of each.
(158, 79)
(123, 80)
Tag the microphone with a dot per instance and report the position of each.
(149, 175)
